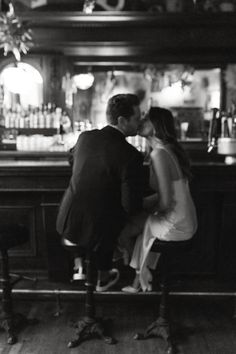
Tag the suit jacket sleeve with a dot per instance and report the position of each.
(74, 152)
(133, 185)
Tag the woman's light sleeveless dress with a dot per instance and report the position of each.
(178, 225)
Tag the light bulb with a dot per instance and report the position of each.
(83, 81)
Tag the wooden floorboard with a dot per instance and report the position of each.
(200, 326)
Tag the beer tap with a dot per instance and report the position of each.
(214, 130)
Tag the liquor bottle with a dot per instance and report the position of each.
(26, 118)
(48, 116)
(31, 117)
(41, 118)
(2, 120)
(35, 119)
(7, 118)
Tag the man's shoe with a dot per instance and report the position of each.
(114, 276)
(78, 276)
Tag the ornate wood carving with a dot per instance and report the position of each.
(136, 36)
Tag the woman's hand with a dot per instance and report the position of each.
(151, 202)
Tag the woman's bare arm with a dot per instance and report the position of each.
(161, 167)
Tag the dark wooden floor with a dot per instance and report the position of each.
(201, 325)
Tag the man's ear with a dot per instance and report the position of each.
(121, 122)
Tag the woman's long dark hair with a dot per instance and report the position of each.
(163, 122)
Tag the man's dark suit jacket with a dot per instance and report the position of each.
(106, 186)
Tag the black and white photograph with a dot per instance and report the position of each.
(118, 176)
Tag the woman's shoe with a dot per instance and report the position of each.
(135, 287)
(114, 276)
(131, 289)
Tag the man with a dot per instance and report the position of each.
(105, 187)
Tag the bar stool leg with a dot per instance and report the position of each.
(10, 321)
(89, 326)
(161, 327)
(234, 309)
(7, 313)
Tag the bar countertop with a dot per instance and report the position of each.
(33, 163)
(64, 163)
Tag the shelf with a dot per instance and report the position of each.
(33, 155)
(32, 131)
(41, 131)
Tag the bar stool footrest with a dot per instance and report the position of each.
(15, 278)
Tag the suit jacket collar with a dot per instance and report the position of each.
(115, 132)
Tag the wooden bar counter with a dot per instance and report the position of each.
(31, 190)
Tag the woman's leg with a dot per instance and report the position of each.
(132, 229)
(142, 258)
(145, 258)
(137, 253)
(135, 263)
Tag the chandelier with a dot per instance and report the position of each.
(15, 37)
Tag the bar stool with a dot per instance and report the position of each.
(89, 326)
(11, 236)
(161, 326)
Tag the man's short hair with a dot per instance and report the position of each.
(121, 105)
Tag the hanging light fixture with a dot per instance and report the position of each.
(15, 37)
(20, 78)
(83, 81)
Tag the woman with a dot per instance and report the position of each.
(175, 217)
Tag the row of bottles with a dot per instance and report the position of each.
(45, 116)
